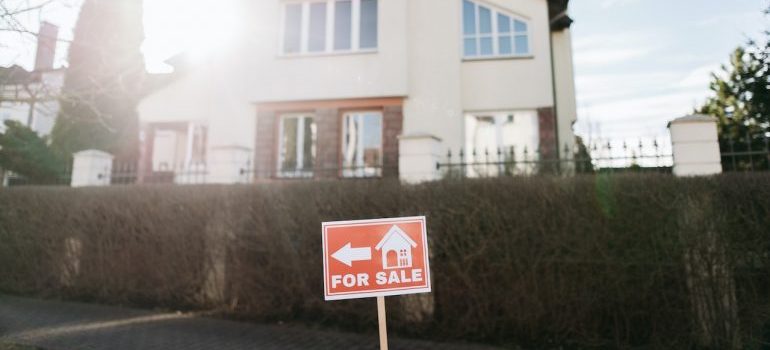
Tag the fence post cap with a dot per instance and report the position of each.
(93, 153)
(694, 118)
(418, 135)
(231, 147)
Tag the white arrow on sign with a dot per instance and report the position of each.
(347, 255)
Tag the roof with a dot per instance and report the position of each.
(395, 230)
(557, 12)
(15, 75)
(694, 118)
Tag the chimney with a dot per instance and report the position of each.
(46, 46)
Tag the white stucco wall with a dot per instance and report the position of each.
(272, 76)
(211, 94)
(566, 103)
(511, 84)
(434, 105)
(419, 57)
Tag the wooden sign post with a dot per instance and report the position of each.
(382, 323)
(375, 258)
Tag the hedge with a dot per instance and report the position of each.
(540, 262)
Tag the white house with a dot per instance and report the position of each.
(396, 249)
(30, 97)
(351, 88)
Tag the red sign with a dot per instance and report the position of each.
(370, 258)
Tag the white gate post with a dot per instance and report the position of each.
(695, 144)
(229, 165)
(418, 156)
(91, 168)
(710, 280)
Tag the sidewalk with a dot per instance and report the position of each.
(55, 325)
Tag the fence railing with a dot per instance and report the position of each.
(747, 152)
(204, 173)
(597, 157)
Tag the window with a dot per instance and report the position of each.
(501, 137)
(317, 26)
(297, 139)
(368, 24)
(362, 144)
(326, 26)
(292, 39)
(489, 32)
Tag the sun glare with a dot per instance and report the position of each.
(198, 28)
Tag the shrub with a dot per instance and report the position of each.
(594, 261)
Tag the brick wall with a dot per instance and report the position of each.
(328, 142)
(267, 140)
(547, 128)
(393, 122)
(328, 119)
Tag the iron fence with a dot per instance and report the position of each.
(596, 157)
(208, 173)
(747, 152)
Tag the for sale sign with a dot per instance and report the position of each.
(370, 258)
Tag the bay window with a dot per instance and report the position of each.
(362, 144)
(297, 145)
(489, 32)
(328, 26)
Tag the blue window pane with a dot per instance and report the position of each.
(522, 45)
(520, 26)
(486, 47)
(503, 24)
(470, 47)
(504, 44)
(469, 17)
(317, 33)
(343, 23)
(368, 24)
(485, 20)
(293, 27)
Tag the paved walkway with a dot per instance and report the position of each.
(55, 325)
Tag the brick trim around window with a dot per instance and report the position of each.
(547, 129)
(328, 118)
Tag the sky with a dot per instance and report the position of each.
(638, 63)
(641, 63)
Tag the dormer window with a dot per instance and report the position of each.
(329, 26)
(491, 33)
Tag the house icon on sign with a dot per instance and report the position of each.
(396, 248)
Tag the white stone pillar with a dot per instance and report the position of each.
(418, 157)
(91, 168)
(695, 143)
(229, 165)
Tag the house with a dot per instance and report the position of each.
(367, 88)
(396, 249)
(30, 97)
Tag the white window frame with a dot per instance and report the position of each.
(360, 169)
(495, 34)
(300, 151)
(355, 29)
